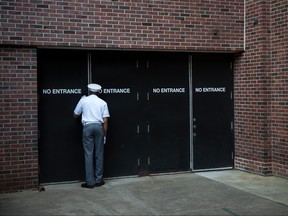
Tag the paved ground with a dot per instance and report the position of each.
(206, 193)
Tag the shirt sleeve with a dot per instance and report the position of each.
(78, 109)
(106, 111)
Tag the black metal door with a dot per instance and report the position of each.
(212, 111)
(148, 99)
(62, 79)
(168, 104)
(116, 72)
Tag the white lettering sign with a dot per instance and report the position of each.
(211, 89)
(61, 91)
(116, 91)
(168, 90)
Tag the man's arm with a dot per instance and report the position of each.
(105, 125)
(78, 108)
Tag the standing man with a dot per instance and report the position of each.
(95, 115)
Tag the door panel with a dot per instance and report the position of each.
(212, 112)
(62, 78)
(116, 73)
(168, 112)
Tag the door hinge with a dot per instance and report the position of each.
(138, 129)
(137, 96)
(231, 66)
(137, 64)
(138, 162)
(147, 65)
(232, 125)
(148, 161)
(148, 128)
(148, 96)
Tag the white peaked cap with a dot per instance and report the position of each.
(94, 87)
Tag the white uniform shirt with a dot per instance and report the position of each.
(92, 108)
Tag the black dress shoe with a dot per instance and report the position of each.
(84, 185)
(99, 184)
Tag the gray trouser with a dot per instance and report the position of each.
(93, 142)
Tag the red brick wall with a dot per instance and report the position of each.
(18, 117)
(279, 87)
(252, 120)
(138, 24)
(261, 91)
(252, 93)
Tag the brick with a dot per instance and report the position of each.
(16, 141)
(267, 89)
(59, 18)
